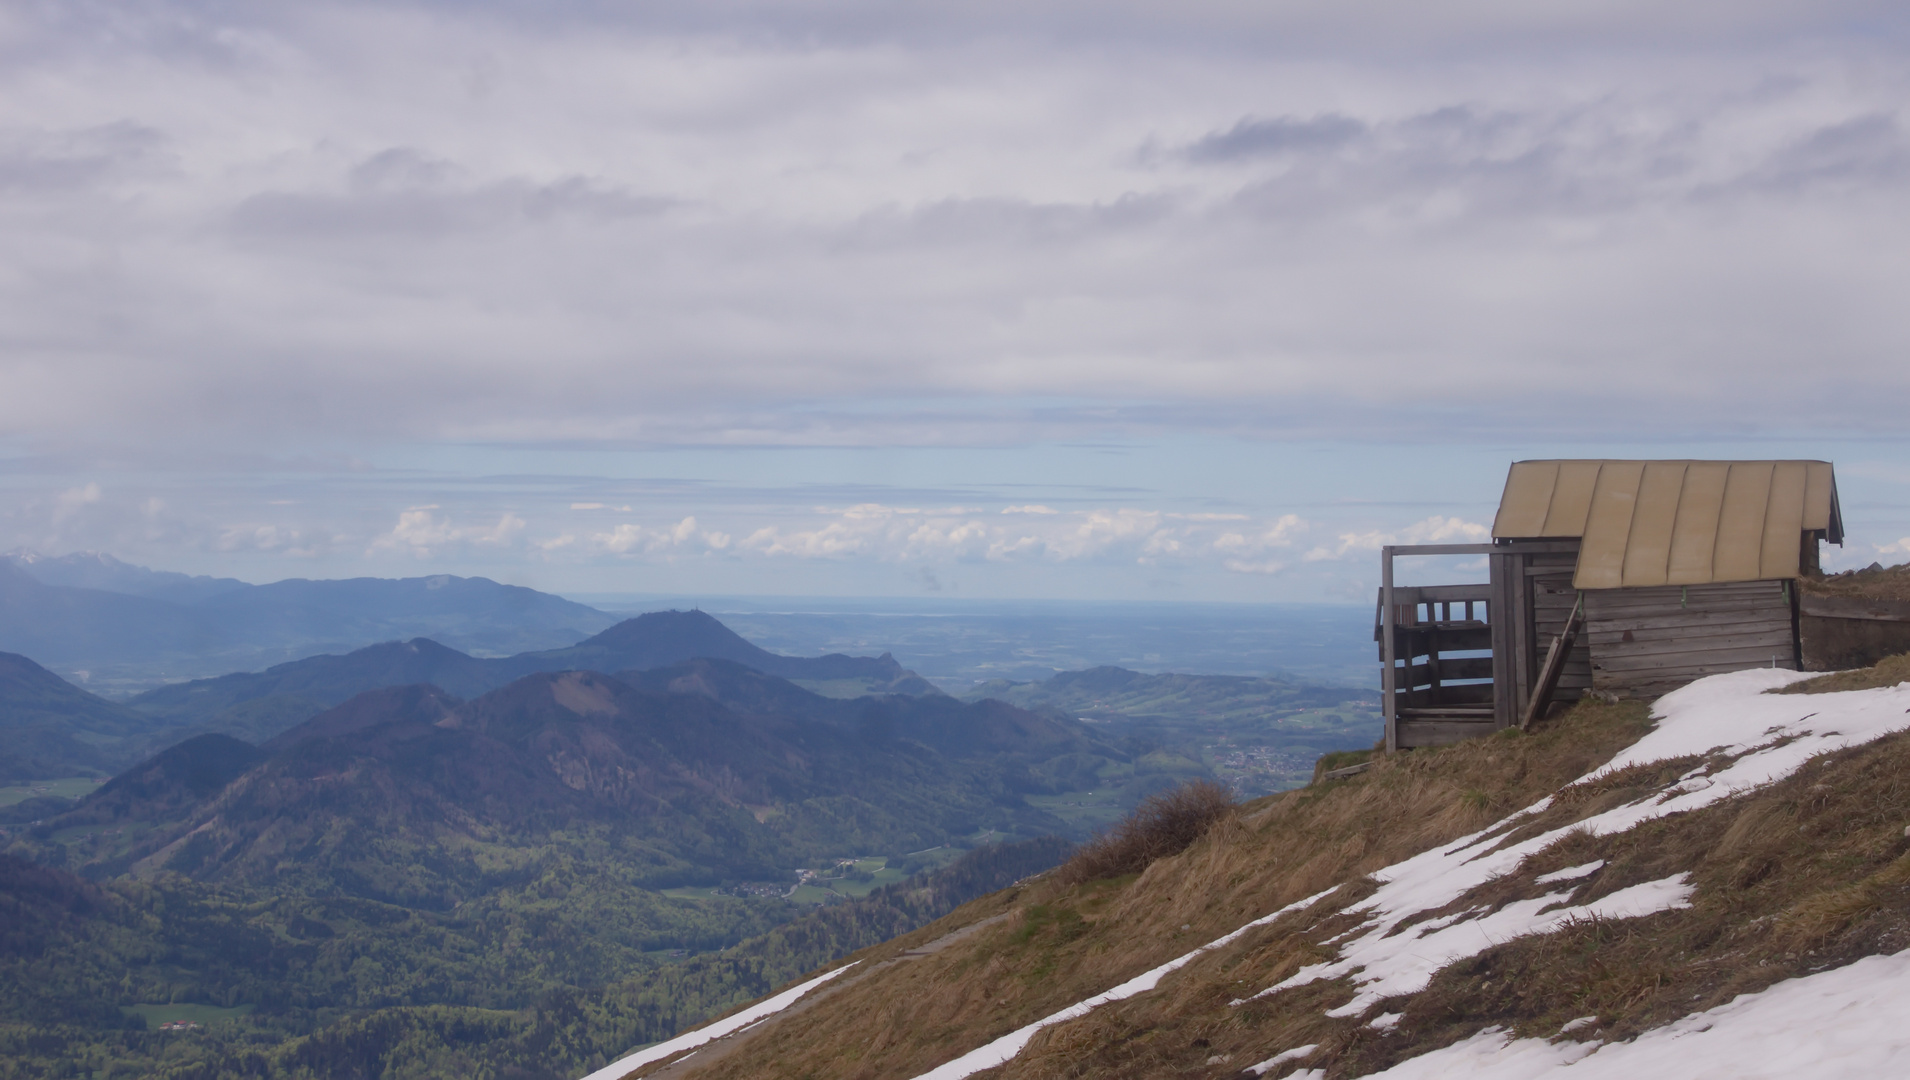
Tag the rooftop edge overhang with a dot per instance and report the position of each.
(1674, 522)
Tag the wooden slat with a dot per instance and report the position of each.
(1747, 652)
(1527, 497)
(1695, 536)
(1419, 594)
(1741, 522)
(1720, 659)
(1414, 642)
(1691, 596)
(1783, 520)
(1697, 621)
(1648, 550)
(1504, 692)
(1452, 670)
(1571, 498)
(1663, 637)
(1553, 668)
(1659, 683)
(1601, 558)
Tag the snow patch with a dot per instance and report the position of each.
(1405, 963)
(1005, 1048)
(1845, 1024)
(1571, 873)
(1760, 738)
(1282, 1058)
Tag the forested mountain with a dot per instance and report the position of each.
(302, 989)
(406, 850)
(405, 795)
(63, 730)
(261, 704)
(51, 728)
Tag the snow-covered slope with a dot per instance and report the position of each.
(1369, 976)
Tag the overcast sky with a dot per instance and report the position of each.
(1201, 300)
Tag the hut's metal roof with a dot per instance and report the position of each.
(1673, 522)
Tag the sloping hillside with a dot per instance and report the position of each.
(51, 728)
(405, 795)
(1627, 893)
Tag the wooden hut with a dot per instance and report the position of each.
(1631, 578)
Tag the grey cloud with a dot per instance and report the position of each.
(1865, 149)
(859, 232)
(1252, 138)
(402, 192)
(60, 161)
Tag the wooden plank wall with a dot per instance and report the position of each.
(1650, 641)
(1549, 599)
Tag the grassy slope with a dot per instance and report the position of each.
(1808, 873)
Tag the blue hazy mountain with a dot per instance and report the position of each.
(115, 624)
(258, 705)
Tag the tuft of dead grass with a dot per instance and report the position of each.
(1164, 824)
(1889, 671)
(1340, 759)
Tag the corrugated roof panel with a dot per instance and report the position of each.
(1784, 521)
(1648, 551)
(1646, 523)
(1694, 538)
(1528, 495)
(1819, 488)
(1601, 557)
(1571, 498)
(1741, 522)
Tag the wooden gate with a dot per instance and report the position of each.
(1460, 661)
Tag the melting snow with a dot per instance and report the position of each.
(1282, 1058)
(1763, 738)
(1844, 1023)
(1005, 1048)
(1571, 873)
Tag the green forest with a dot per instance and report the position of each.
(548, 980)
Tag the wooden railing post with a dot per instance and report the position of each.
(1389, 649)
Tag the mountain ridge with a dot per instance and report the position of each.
(127, 624)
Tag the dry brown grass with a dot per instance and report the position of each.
(1164, 824)
(1811, 873)
(1065, 941)
(1889, 671)
(1885, 583)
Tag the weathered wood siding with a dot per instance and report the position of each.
(1645, 642)
(1550, 598)
(1840, 632)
